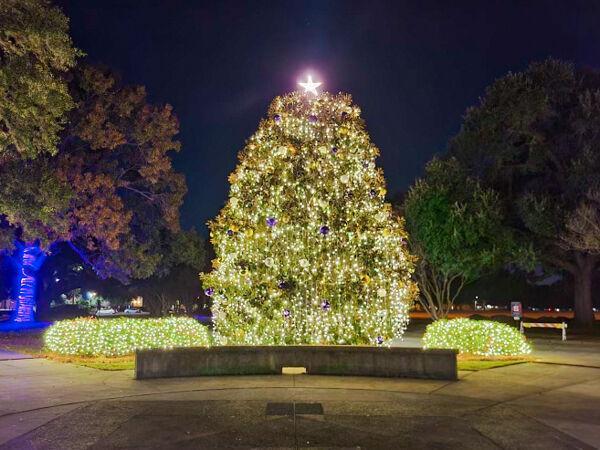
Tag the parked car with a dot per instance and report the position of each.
(136, 312)
(105, 312)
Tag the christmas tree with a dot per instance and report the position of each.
(308, 252)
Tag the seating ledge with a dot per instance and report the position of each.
(317, 359)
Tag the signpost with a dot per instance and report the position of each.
(516, 309)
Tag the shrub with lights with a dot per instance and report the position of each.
(476, 337)
(122, 336)
(308, 251)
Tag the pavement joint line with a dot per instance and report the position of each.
(442, 387)
(211, 389)
(554, 363)
(432, 392)
(541, 422)
(519, 397)
(21, 358)
(45, 423)
(484, 436)
(295, 429)
(512, 408)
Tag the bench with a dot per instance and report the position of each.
(316, 360)
(561, 325)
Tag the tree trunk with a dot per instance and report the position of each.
(583, 304)
(438, 291)
(31, 258)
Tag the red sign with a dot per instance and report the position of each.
(516, 309)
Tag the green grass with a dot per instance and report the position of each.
(475, 365)
(126, 362)
(109, 366)
(32, 343)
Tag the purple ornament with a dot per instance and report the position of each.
(209, 292)
(312, 119)
(229, 232)
(282, 284)
(325, 305)
(379, 340)
(324, 230)
(334, 150)
(277, 118)
(271, 222)
(286, 313)
(344, 115)
(372, 193)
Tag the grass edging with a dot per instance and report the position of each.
(475, 363)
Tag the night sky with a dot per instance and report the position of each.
(412, 66)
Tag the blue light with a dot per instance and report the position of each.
(23, 326)
(31, 257)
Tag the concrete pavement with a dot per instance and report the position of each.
(549, 349)
(48, 405)
(7, 355)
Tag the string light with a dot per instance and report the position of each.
(122, 336)
(306, 225)
(476, 337)
(31, 259)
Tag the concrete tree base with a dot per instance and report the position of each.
(317, 360)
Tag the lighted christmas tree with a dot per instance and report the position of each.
(308, 252)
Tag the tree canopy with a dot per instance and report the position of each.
(36, 52)
(456, 230)
(110, 191)
(176, 277)
(534, 139)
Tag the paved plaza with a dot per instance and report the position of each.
(49, 405)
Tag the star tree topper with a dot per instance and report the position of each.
(310, 85)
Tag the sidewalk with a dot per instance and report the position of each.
(548, 350)
(6, 355)
(49, 405)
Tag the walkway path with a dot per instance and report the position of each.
(550, 350)
(7, 355)
(44, 404)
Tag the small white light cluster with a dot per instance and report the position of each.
(476, 337)
(122, 336)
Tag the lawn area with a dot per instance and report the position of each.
(96, 362)
(31, 343)
(475, 363)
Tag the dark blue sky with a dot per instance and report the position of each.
(412, 66)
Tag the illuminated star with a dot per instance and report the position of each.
(310, 85)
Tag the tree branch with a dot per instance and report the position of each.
(143, 194)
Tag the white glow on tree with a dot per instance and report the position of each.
(308, 252)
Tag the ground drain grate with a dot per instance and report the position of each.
(289, 409)
(309, 408)
(280, 409)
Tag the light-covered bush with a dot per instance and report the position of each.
(122, 336)
(477, 337)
